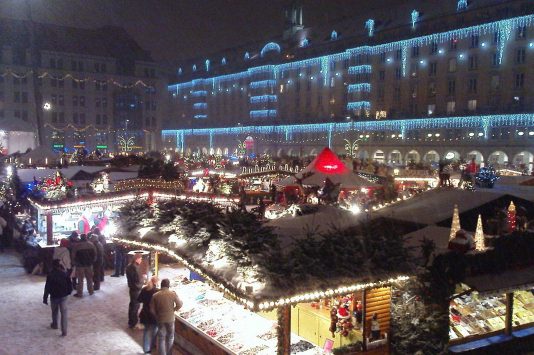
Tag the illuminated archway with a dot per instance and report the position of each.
(204, 150)
(379, 156)
(225, 151)
(431, 157)
(313, 152)
(218, 151)
(524, 161)
(395, 157)
(451, 155)
(270, 47)
(413, 156)
(498, 159)
(479, 158)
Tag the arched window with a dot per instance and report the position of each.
(270, 47)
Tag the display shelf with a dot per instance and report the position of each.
(228, 326)
(523, 308)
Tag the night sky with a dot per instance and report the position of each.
(176, 29)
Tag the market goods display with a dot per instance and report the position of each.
(228, 324)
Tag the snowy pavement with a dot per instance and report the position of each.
(98, 324)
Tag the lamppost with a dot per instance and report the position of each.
(35, 61)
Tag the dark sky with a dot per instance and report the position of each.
(177, 29)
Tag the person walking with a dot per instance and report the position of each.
(58, 286)
(98, 265)
(84, 256)
(163, 305)
(135, 284)
(146, 317)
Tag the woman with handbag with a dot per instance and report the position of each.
(146, 317)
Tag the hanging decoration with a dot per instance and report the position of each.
(462, 5)
(370, 27)
(352, 147)
(480, 242)
(415, 18)
(78, 80)
(511, 217)
(455, 226)
(126, 144)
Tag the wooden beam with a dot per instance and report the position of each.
(509, 313)
(284, 330)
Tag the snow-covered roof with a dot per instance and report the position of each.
(40, 154)
(437, 205)
(439, 235)
(27, 175)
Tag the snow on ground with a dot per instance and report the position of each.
(98, 324)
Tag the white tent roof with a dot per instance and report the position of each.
(41, 153)
(328, 165)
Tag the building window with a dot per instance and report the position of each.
(104, 119)
(432, 69)
(75, 101)
(54, 117)
(398, 73)
(451, 87)
(82, 118)
(433, 48)
(383, 57)
(495, 59)
(415, 51)
(24, 97)
(432, 89)
(413, 70)
(382, 75)
(452, 65)
(431, 109)
(519, 80)
(472, 105)
(380, 93)
(472, 85)
(520, 56)
(82, 101)
(16, 96)
(474, 41)
(104, 102)
(451, 107)
(97, 102)
(97, 120)
(521, 32)
(397, 94)
(24, 115)
(473, 62)
(61, 100)
(53, 63)
(74, 84)
(74, 118)
(453, 44)
(61, 117)
(398, 54)
(495, 82)
(60, 83)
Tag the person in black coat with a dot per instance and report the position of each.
(146, 317)
(58, 286)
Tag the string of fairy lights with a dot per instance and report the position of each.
(78, 80)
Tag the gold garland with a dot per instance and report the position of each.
(70, 125)
(70, 76)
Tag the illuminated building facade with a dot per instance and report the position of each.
(98, 89)
(416, 88)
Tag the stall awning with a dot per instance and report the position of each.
(504, 282)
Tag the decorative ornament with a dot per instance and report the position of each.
(126, 144)
(415, 18)
(352, 147)
(511, 217)
(455, 226)
(480, 242)
(462, 5)
(370, 26)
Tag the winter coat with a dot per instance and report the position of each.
(84, 254)
(99, 253)
(63, 255)
(133, 277)
(58, 285)
(163, 305)
(145, 316)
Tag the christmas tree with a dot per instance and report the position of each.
(480, 242)
(455, 227)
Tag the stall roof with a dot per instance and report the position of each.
(439, 235)
(506, 281)
(83, 175)
(328, 165)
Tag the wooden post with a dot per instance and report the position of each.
(509, 313)
(49, 229)
(364, 321)
(156, 263)
(284, 330)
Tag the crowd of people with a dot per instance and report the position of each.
(80, 258)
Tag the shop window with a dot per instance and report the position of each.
(472, 105)
(452, 65)
(451, 107)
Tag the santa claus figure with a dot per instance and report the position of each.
(462, 242)
(344, 324)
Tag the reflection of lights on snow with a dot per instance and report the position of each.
(2, 133)
(143, 231)
(355, 209)
(177, 241)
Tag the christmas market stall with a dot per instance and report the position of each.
(327, 179)
(212, 181)
(257, 293)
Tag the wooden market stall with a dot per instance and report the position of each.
(240, 307)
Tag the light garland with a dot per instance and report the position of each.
(262, 113)
(78, 80)
(86, 203)
(254, 304)
(134, 184)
